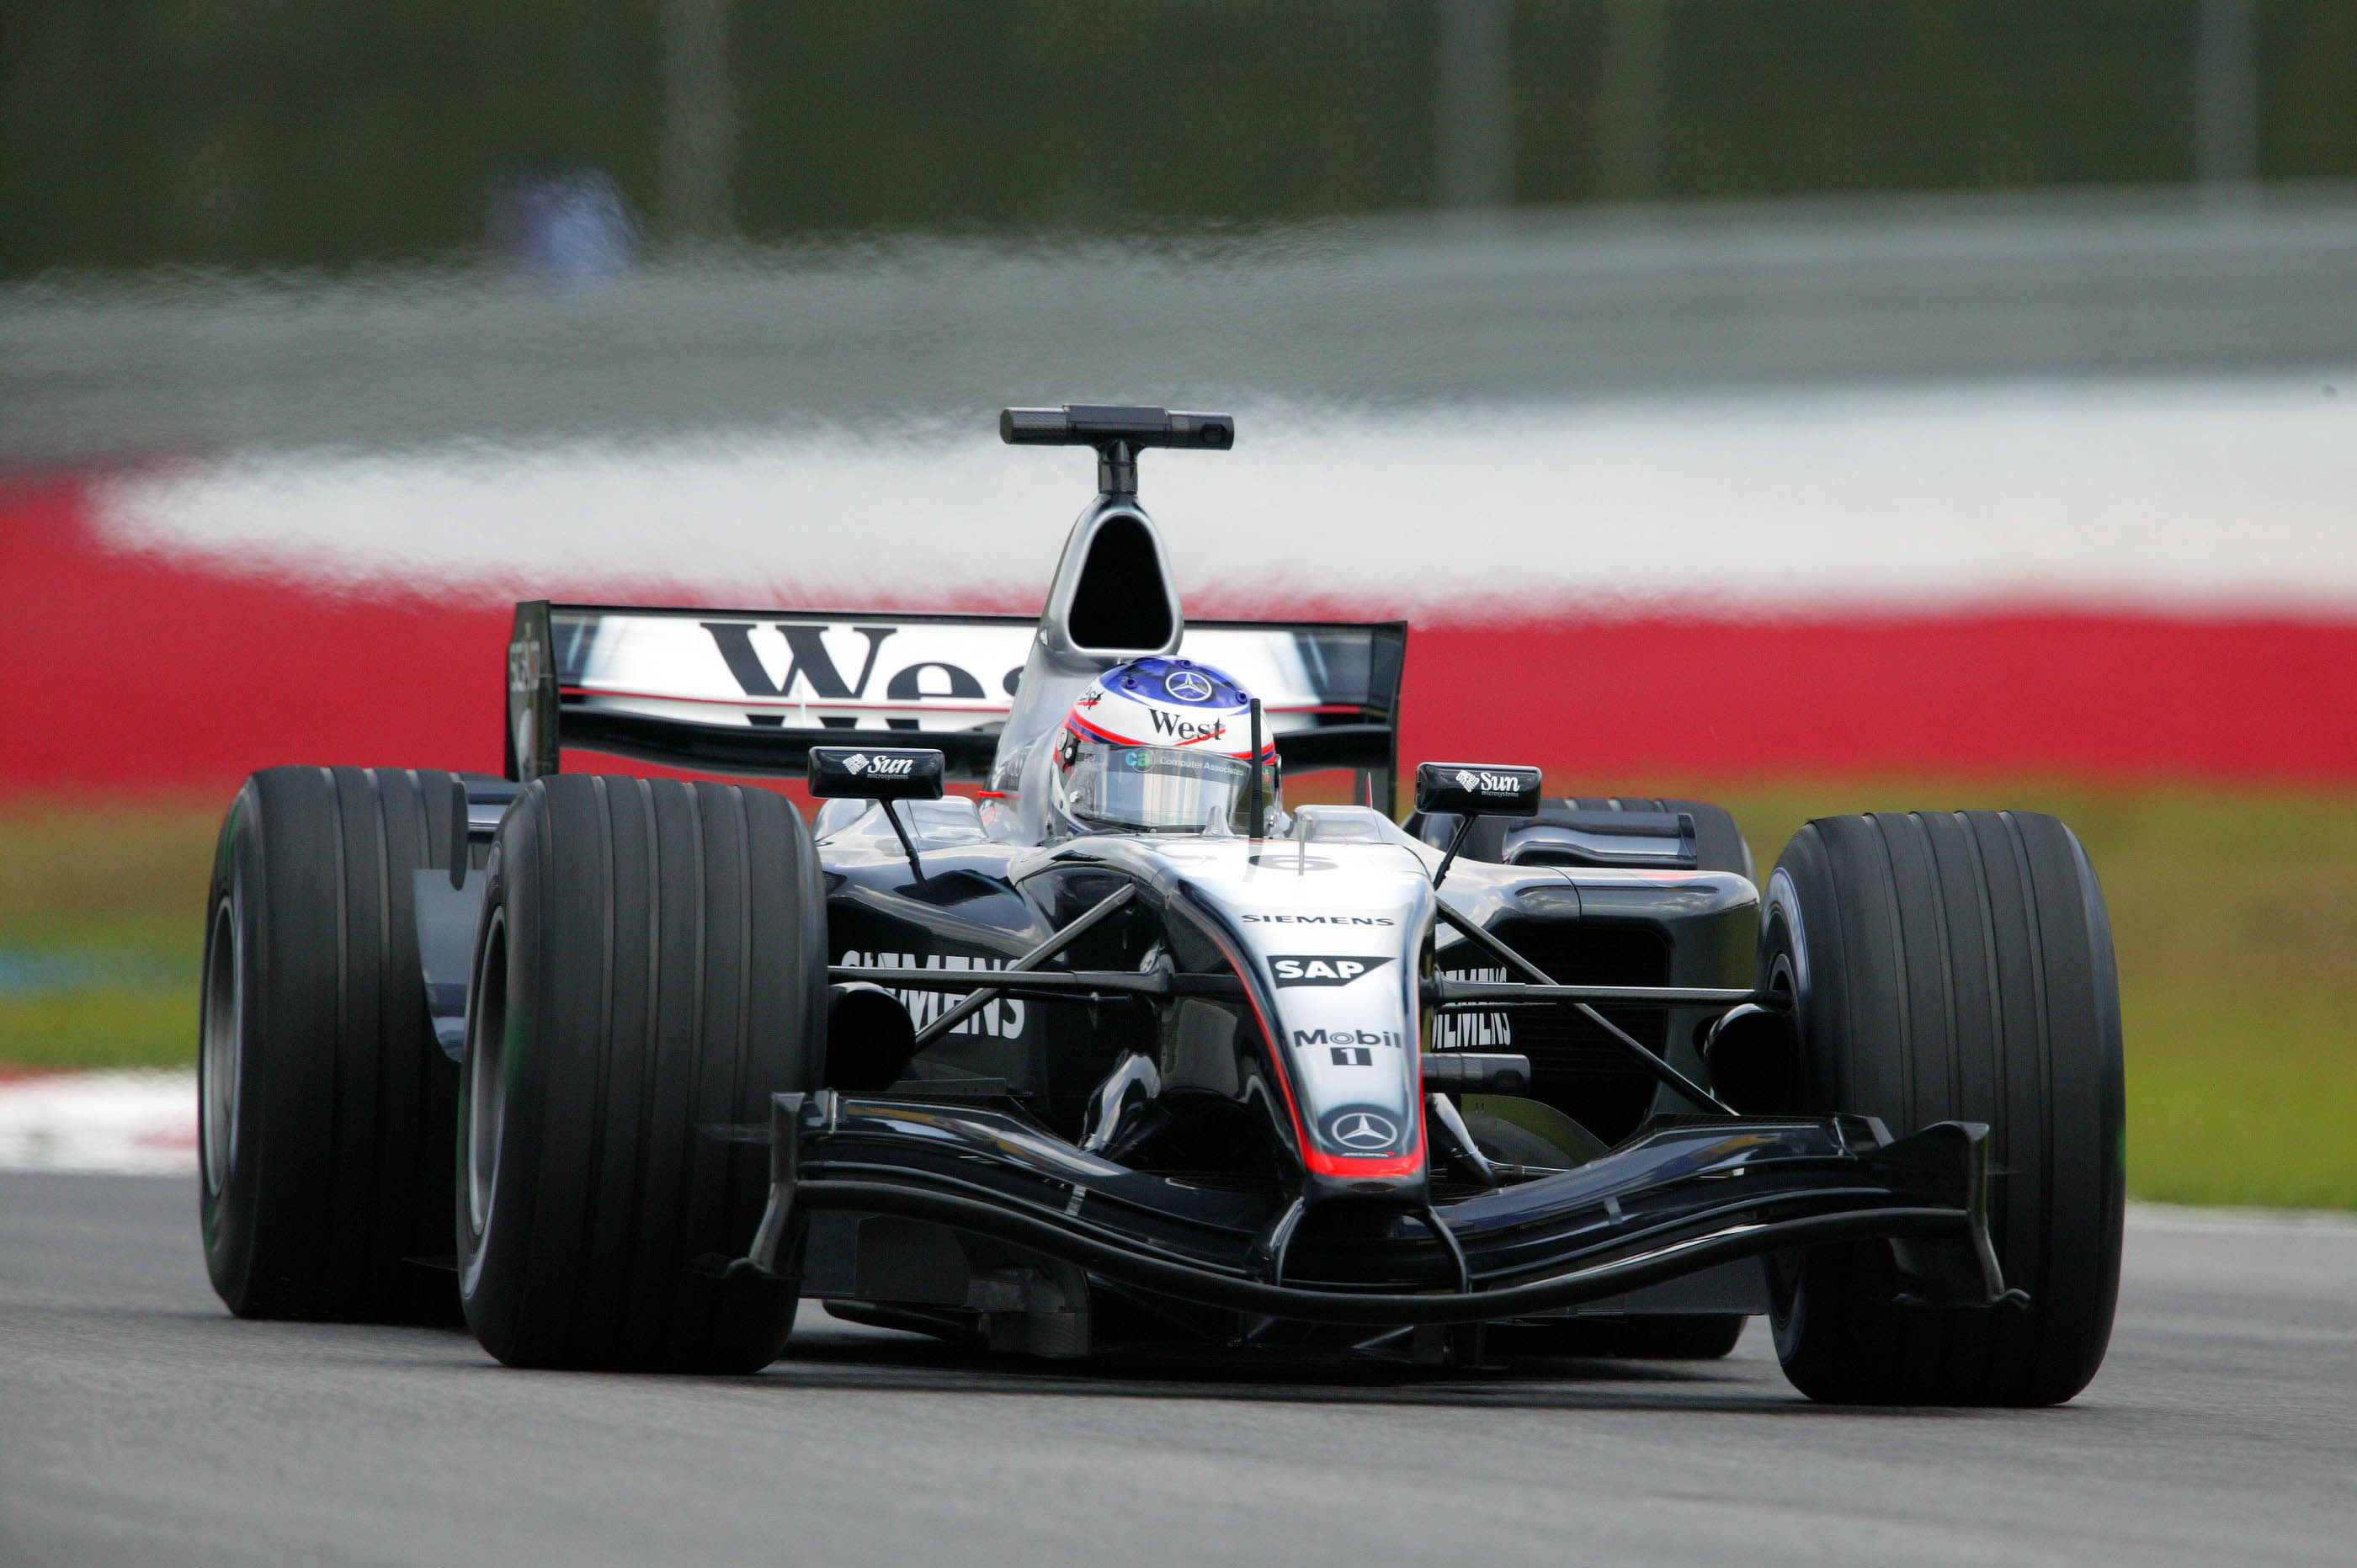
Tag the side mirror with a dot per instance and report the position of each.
(882, 774)
(877, 773)
(1477, 789)
(1469, 790)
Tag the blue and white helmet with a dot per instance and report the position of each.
(1160, 746)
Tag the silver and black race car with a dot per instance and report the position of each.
(1515, 1077)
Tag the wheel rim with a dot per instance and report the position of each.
(487, 1074)
(218, 1053)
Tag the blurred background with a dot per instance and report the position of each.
(1822, 405)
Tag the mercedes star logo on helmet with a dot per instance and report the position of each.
(1364, 1130)
(1188, 685)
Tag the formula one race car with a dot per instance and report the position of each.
(1116, 1053)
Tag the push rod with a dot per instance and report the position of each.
(1466, 995)
(1038, 955)
(1637, 1048)
(1046, 983)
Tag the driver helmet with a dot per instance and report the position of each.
(1160, 746)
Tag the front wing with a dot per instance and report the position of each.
(1674, 1201)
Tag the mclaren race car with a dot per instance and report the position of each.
(1107, 1050)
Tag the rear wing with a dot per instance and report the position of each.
(752, 691)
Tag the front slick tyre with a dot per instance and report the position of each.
(1957, 966)
(649, 967)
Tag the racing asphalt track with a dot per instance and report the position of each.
(140, 1424)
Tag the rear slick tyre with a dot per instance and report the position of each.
(324, 1103)
(1957, 966)
(649, 969)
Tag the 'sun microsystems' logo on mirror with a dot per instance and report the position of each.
(1487, 783)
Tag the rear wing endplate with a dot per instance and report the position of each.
(750, 691)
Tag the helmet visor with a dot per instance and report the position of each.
(1156, 788)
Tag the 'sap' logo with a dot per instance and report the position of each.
(1313, 969)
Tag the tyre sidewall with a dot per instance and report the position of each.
(230, 1211)
(491, 1260)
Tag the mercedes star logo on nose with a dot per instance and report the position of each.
(1364, 1130)
(1188, 686)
